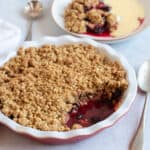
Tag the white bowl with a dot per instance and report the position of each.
(74, 135)
(58, 8)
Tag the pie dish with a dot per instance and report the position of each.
(58, 137)
(58, 14)
(61, 88)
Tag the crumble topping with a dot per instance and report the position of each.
(84, 15)
(41, 85)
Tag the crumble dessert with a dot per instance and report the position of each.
(82, 16)
(60, 88)
(107, 18)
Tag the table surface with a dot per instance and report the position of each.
(118, 137)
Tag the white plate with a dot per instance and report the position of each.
(59, 137)
(58, 8)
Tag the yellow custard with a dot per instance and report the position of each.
(128, 12)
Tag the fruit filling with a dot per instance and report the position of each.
(93, 108)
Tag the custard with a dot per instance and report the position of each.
(129, 12)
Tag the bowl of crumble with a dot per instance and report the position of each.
(107, 21)
(64, 89)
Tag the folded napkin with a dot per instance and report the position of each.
(10, 36)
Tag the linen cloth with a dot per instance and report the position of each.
(10, 36)
(118, 137)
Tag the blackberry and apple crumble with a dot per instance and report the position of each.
(60, 88)
(104, 18)
(90, 16)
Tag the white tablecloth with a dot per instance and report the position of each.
(117, 137)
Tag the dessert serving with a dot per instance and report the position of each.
(108, 18)
(60, 88)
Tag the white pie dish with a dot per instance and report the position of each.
(58, 8)
(74, 135)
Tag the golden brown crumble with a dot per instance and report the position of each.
(83, 14)
(40, 85)
(95, 16)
